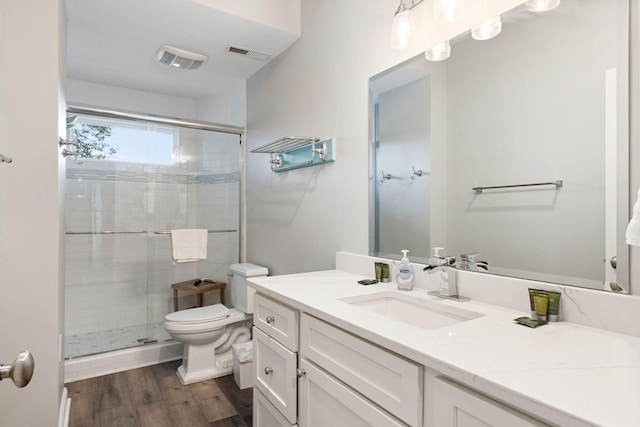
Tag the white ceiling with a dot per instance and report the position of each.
(114, 42)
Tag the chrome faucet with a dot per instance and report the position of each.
(469, 262)
(448, 277)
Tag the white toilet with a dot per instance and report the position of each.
(208, 332)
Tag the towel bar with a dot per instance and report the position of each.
(557, 183)
(142, 232)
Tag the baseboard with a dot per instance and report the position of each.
(65, 408)
(121, 360)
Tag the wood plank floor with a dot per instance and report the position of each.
(154, 396)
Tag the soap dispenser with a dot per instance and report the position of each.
(405, 274)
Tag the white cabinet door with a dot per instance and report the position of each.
(277, 320)
(391, 381)
(325, 402)
(265, 415)
(456, 406)
(275, 373)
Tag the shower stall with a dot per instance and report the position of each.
(130, 180)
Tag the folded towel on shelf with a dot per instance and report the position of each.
(189, 245)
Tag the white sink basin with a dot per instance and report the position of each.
(412, 309)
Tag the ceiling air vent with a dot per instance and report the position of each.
(180, 58)
(253, 54)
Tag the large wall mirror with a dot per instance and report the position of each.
(545, 102)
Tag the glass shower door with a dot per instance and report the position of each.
(120, 209)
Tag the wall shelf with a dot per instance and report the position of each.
(293, 152)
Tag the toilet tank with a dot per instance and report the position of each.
(241, 296)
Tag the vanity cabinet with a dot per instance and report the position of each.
(457, 406)
(310, 373)
(337, 376)
(275, 360)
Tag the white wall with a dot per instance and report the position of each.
(297, 220)
(119, 98)
(227, 108)
(31, 212)
(282, 14)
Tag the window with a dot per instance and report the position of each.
(127, 141)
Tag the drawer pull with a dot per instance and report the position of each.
(300, 372)
(270, 319)
(268, 370)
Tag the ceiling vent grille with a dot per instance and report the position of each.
(180, 58)
(249, 53)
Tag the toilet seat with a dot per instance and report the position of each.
(197, 315)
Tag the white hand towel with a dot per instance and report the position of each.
(189, 245)
(633, 229)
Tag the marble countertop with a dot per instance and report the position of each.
(564, 373)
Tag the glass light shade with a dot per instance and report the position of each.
(401, 28)
(488, 29)
(447, 11)
(541, 5)
(439, 52)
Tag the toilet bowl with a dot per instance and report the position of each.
(209, 332)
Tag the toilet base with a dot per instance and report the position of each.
(203, 362)
(207, 352)
(222, 367)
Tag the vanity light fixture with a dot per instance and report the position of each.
(447, 11)
(439, 52)
(541, 5)
(488, 29)
(401, 28)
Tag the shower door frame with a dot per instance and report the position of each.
(75, 108)
(88, 110)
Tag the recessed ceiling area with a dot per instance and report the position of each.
(114, 42)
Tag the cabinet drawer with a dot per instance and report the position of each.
(325, 401)
(265, 415)
(457, 406)
(275, 374)
(391, 381)
(276, 320)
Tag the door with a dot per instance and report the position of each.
(265, 414)
(455, 406)
(324, 401)
(275, 368)
(31, 120)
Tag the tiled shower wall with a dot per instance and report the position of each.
(120, 280)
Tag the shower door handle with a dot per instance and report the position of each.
(20, 371)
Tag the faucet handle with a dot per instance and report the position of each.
(447, 261)
(469, 257)
(469, 262)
